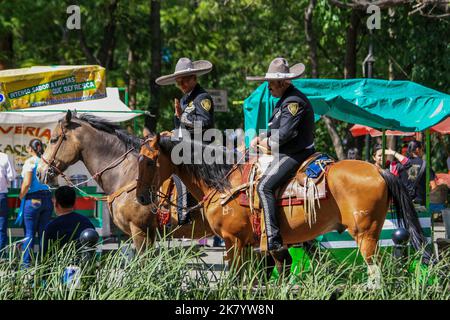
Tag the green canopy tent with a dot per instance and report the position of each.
(393, 105)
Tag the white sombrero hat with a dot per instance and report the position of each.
(279, 70)
(185, 67)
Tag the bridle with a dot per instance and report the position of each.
(51, 163)
(148, 151)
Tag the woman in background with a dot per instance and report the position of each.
(396, 166)
(37, 198)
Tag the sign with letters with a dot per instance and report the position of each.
(220, 99)
(14, 140)
(44, 86)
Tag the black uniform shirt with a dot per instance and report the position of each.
(65, 228)
(197, 106)
(293, 118)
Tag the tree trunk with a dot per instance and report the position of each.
(337, 143)
(105, 55)
(312, 44)
(350, 46)
(391, 141)
(155, 70)
(350, 68)
(391, 13)
(132, 81)
(86, 49)
(6, 50)
(311, 38)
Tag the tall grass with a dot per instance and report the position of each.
(180, 273)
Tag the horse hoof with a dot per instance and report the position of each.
(374, 280)
(373, 286)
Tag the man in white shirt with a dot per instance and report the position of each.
(7, 174)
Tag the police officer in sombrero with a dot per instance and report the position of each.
(290, 139)
(196, 106)
(194, 110)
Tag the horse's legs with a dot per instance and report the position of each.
(269, 265)
(367, 243)
(234, 252)
(139, 237)
(283, 262)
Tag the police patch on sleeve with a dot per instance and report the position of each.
(206, 104)
(293, 108)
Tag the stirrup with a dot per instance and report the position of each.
(182, 220)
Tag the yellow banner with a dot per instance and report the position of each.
(42, 86)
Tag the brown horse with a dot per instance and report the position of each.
(358, 201)
(102, 146)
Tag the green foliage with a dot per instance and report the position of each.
(239, 37)
(180, 273)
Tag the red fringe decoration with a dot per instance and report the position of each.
(163, 216)
(256, 221)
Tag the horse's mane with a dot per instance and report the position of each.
(214, 174)
(108, 127)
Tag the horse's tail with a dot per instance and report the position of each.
(406, 213)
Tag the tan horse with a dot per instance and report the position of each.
(101, 146)
(358, 201)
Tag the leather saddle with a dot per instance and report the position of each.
(293, 192)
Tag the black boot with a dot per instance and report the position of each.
(183, 217)
(274, 243)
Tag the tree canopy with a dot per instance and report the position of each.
(137, 40)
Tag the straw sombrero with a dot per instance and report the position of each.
(279, 70)
(185, 67)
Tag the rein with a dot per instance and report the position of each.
(116, 162)
(205, 198)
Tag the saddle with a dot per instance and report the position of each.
(178, 200)
(306, 187)
(310, 174)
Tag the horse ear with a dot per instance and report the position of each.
(68, 116)
(155, 142)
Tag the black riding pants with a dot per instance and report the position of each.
(277, 174)
(184, 198)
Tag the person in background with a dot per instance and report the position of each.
(68, 225)
(353, 154)
(7, 174)
(414, 178)
(396, 166)
(37, 198)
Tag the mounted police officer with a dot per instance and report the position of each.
(194, 110)
(290, 139)
(196, 106)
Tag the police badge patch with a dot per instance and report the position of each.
(206, 104)
(293, 108)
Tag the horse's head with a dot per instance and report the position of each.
(62, 151)
(154, 168)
